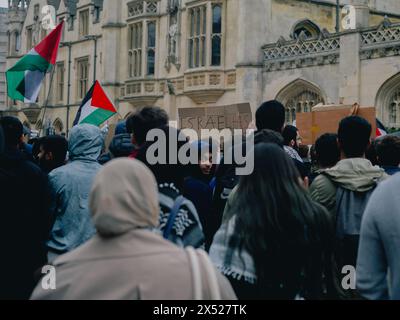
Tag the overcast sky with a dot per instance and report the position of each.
(3, 3)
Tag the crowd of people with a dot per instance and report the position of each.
(116, 225)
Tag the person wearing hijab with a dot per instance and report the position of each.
(200, 183)
(126, 260)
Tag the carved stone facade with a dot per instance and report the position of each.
(191, 53)
(3, 54)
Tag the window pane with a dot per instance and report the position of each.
(191, 22)
(198, 21)
(197, 53)
(216, 19)
(191, 53)
(151, 34)
(203, 51)
(150, 62)
(216, 51)
(204, 20)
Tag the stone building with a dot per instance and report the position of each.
(3, 54)
(190, 53)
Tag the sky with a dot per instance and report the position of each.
(3, 3)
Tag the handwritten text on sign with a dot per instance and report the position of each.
(227, 117)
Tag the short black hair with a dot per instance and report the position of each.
(354, 136)
(12, 129)
(270, 115)
(327, 150)
(145, 120)
(57, 145)
(388, 151)
(289, 134)
(268, 136)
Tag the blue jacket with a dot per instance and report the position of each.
(70, 187)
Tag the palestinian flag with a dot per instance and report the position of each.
(380, 129)
(24, 80)
(96, 108)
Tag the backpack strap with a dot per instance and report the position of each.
(172, 215)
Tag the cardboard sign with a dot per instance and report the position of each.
(237, 116)
(326, 119)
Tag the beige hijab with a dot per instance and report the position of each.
(124, 197)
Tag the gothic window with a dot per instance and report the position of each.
(84, 23)
(29, 41)
(151, 47)
(135, 49)
(298, 97)
(306, 27)
(394, 109)
(205, 37)
(197, 37)
(83, 77)
(58, 126)
(216, 35)
(60, 81)
(17, 42)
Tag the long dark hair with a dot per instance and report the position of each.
(288, 235)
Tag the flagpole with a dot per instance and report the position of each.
(47, 98)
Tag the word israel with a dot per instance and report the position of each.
(166, 152)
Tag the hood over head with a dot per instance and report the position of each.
(85, 142)
(356, 174)
(124, 197)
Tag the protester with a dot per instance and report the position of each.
(327, 154)
(200, 182)
(270, 115)
(388, 154)
(345, 188)
(125, 260)
(275, 243)
(292, 141)
(378, 264)
(52, 152)
(179, 220)
(226, 180)
(70, 186)
(24, 212)
(26, 148)
(121, 146)
(140, 123)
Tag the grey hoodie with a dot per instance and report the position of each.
(70, 187)
(379, 250)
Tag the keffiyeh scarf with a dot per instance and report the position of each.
(226, 255)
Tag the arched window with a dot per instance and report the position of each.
(299, 96)
(15, 45)
(388, 102)
(309, 29)
(58, 126)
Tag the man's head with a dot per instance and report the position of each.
(327, 152)
(291, 137)
(388, 151)
(12, 130)
(52, 152)
(145, 120)
(354, 136)
(270, 115)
